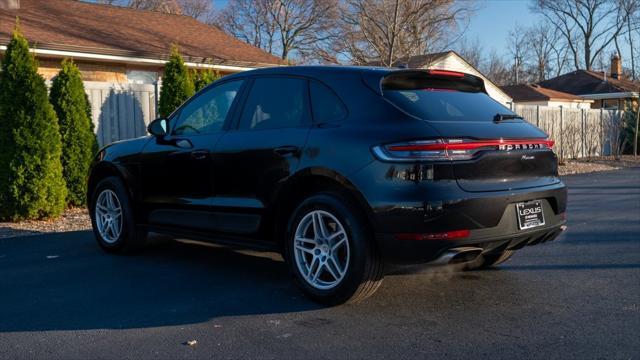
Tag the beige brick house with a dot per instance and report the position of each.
(534, 94)
(607, 90)
(121, 45)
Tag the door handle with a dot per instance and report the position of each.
(285, 150)
(183, 143)
(199, 154)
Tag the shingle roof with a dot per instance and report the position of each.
(585, 82)
(110, 30)
(522, 93)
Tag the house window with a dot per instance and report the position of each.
(141, 77)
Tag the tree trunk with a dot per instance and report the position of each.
(541, 70)
(633, 62)
(587, 56)
(393, 34)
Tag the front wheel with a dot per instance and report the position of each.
(330, 252)
(112, 218)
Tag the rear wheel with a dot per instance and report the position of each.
(329, 251)
(489, 260)
(112, 218)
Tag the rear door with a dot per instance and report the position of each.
(253, 160)
(490, 147)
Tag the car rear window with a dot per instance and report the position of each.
(446, 104)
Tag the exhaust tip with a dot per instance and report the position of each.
(458, 255)
(465, 256)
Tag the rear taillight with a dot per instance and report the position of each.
(452, 149)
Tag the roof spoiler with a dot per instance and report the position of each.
(421, 79)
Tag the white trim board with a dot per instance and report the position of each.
(128, 59)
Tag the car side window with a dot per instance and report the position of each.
(274, 103)
(206, 113)
(326, 105)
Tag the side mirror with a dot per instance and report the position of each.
(158, 127)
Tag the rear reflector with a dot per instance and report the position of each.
(454, 149)
(449, 235)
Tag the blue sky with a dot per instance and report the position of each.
(495, 18)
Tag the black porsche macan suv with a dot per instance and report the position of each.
(342, 169)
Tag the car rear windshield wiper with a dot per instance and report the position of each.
(499, 117)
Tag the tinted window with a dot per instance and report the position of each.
(275, 103)
(447, 105)
(326, 105)
(206, 113)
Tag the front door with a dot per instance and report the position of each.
(177, 170)
(261, 153)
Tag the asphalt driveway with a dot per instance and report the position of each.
(577, 297)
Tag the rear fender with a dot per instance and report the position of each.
(306, 182)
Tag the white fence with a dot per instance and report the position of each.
(577, 132)
(120, 111)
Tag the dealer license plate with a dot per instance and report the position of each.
(530, 214)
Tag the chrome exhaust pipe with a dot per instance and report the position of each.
(458, 255)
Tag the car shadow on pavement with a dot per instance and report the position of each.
(65, 282)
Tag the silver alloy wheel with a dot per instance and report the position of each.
(108, 213)
(321, 249)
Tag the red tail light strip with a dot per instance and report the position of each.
(452, 149)
(446, 73)
(473, 145)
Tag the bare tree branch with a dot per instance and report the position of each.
(588, 26)
(387, 30)
(282, 27)
(166, 6)
(546, 50)
(198, 9)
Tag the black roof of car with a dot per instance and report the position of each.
(315, 70)
(372, 75)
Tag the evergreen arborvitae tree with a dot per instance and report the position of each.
(78, 140)
(628, 130)
(177, 85)
(31, 182)
(202, 78)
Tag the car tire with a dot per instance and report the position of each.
(348, 267)
(112, 218)
(489, 260)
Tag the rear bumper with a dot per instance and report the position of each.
(407, 199)
(424, 251)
